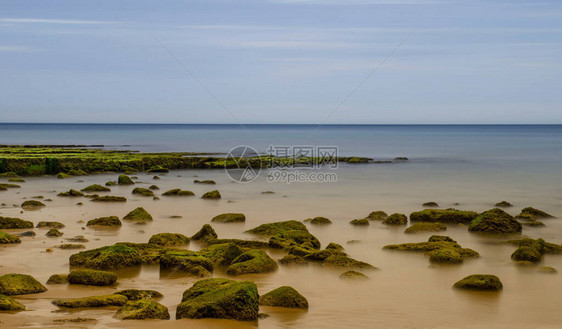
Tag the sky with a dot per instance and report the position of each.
(281, 61)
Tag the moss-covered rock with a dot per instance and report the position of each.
(360, 222)
(96, 188)
(334, 246)
(353, 275)
(445, 256)
(318, 220)
(229, 218)
(143, 309)
(169, 239)
(221, 254)
(396, 219)
(139, 215)
(430, 204)
(71, 193)
(58, 279)
(526, 254)
(495, 221)
(205, 233)
(451, 216)
(253, 261)
(157, 169)
(426, 227)
(62, 175)
(215, 194)
(27, 233)
(142, 191)
(45, 224)
(539, 244)
(111, 221)
(32, 205)
(71, 246)
(93, 301)
(220, 298)
(208, 181)
(54, 233)
(124, 180)
(284, 297)
(107, 258)
(178, 192)
(92, 278)
(111, 183)
(6, 238)
(187, 262)
(286, 234)
(10, 304)
(150, 253)
(535, 212)
(480, 282)
(441, 249)
(109, 198)
(138, 294)
(77, 172)
(503, 204)
(293, 259)
(11, 223)
(20, 284)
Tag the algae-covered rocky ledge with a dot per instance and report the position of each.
(66, 161)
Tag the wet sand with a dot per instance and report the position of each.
(406, 291)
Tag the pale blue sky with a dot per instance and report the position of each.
(281, 61)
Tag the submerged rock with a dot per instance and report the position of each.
(111, 221)
(109, 198)
(178, 192)
(535, 213)
(253, 261)
(284, 297)
(526, 254)
(396, 219)
(6, 238)
(93, 301)
(318, 220)
(359, 222)
(54, 233)
(220, 298)
(293, 259)
(440, 249)
(10, 304)
(96, 188)
(377, 215)
(208, 181)
(105, 258)
(92, 278)
(71, 246)
(480, 282)
(205, 233)
(157, 169)
(139, 214)
(452, 216)
(445, 256)
(142, 191)
(353, 275)
(547, 269)
(58, 279)
(11, 222)
(71, 193)
(503, 204)
(539, 244)
(495, 221)
(215, 194)
(169, 239)
(153, 187)
(20, 284)
(27, 233)
(430, 204)
(124, 180)
(229, 218)
(137, 294)
(32, 204)
(44, 224)
(62, 175)
(284, 235)
(426, 227)
(143, 309)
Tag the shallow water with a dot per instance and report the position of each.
(406, 291)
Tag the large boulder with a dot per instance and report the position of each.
(20, 284)
(139, 215)
(221, 299)
(480, 282)
(124, 180)
(452, 216)
(253, 261)
(284, 297)
(169, 239)
(93, 301)
(58, 279)
(10, 304)
(229, 218)
(110, 221)
(92, 278)
(106, 258)
(526, 254)
(287, 234)
(495, 221)
(205, 233)
(143, 309)
(11, 222)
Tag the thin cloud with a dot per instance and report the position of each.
(17, 49)
(51, 21)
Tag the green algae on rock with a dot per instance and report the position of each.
(158, 169)
(253, 261)
(251, 244)
(12, 222)
(229, 218)
(221, 299)
(221, 254)
(32, 205)
(526, 254)
(188, 262)
(138, 294)
(169, 239)
(62, 175)
(142, 191)
(124, 180)
(430, 204)
(92, 278)
(445, 256)
(96, 188)
(360, 222)
(535, 213)
(353, 275)
(58, 279)
(293, 259)
(426, 227)
(6, 238)
(452, 216)
(284, 296)
(503, 204)
(396, 219)
(20, 284)
(539, 244)
(143, 309)
(153, 187)
(205, 233)
(215, 194)
(46, 224)
(9, 304)
(318, 220)
(71, 246)
(71, 193)
(334, 246)
(109, 198)
(111, 221)
(284, 235)
(178, 192)
(441, 249)
(208, 181)
(54, 233)
(495, 221)
(93, 301)
(480, 282)
(107, 258)
(138, 214)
